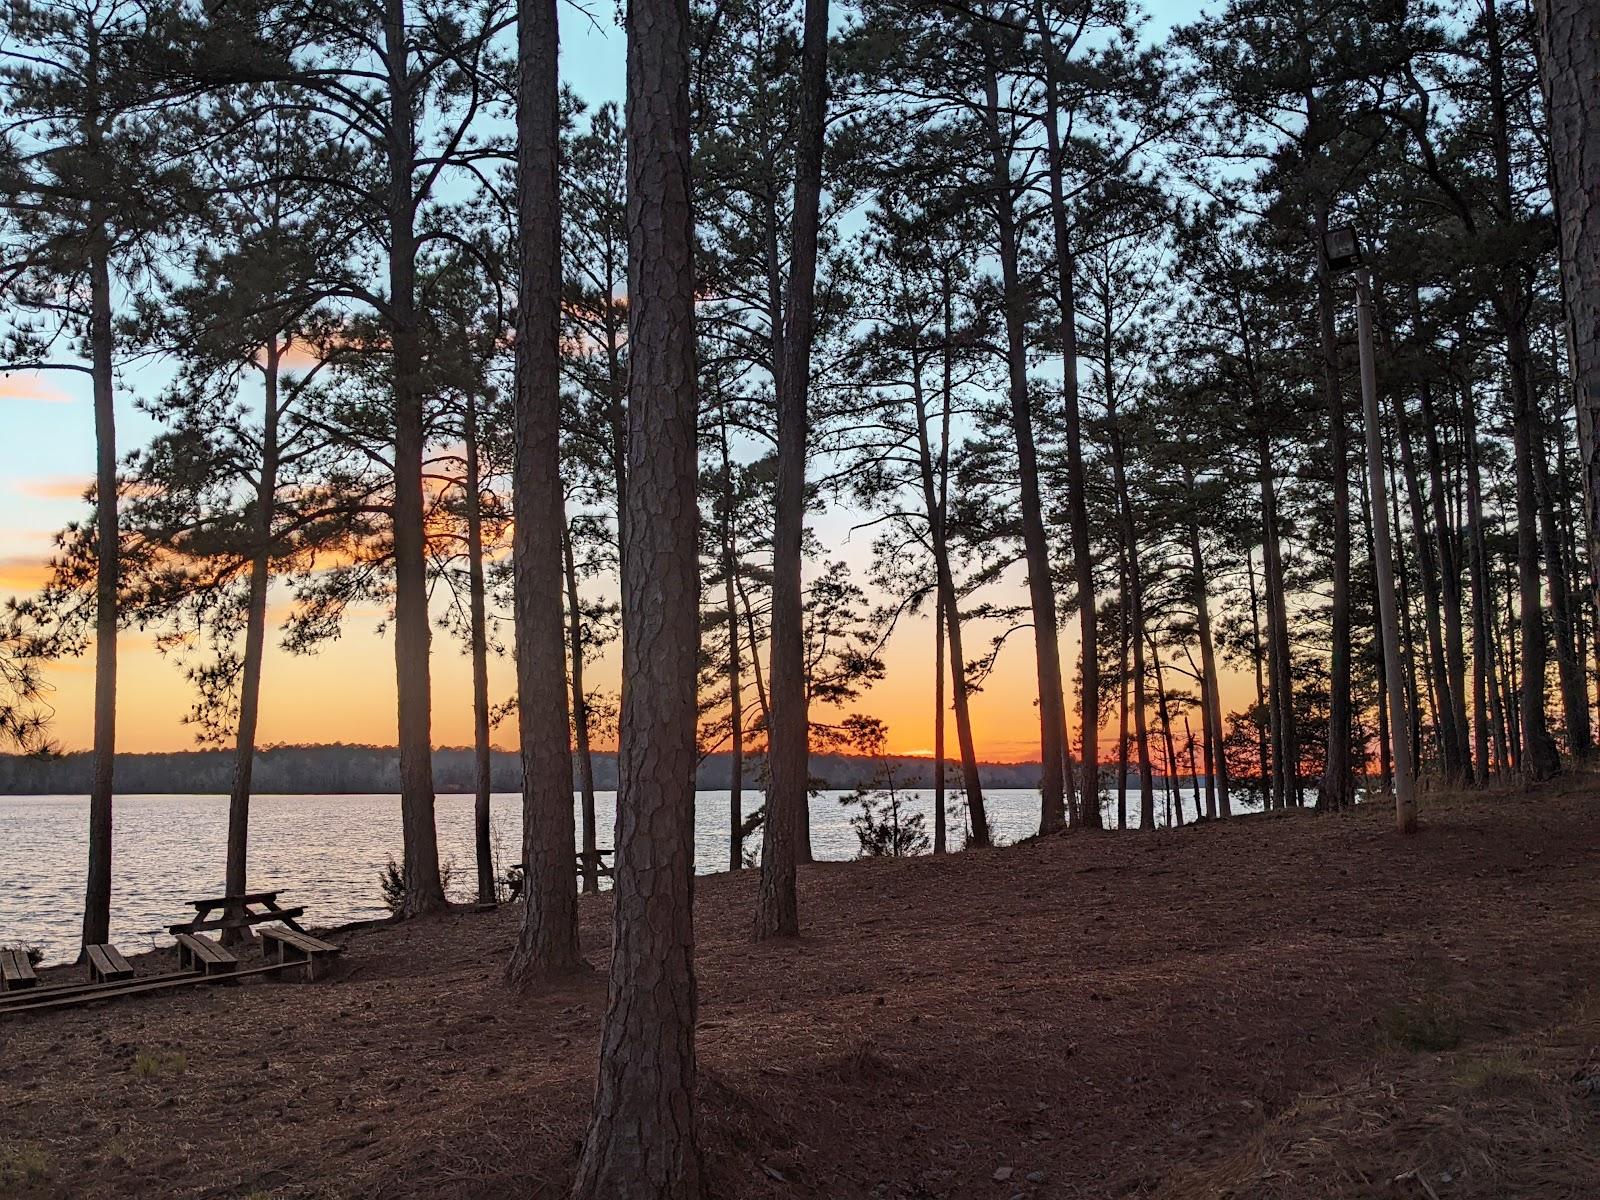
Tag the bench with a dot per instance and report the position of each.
(289, 946)
(106, 964)
(16, 972)
(202, 956)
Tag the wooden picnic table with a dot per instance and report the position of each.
(601, 867)
(239, 912)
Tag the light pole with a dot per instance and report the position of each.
(1341, 250)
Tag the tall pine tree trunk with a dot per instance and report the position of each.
(1513, 301)
(1569, 60)
(1124, 677)
(97, 891)
(1211, 696)
(255, 640)
(1036, 549)
(1285, 757)
(935, 504)
(730, 567)
(1539, 757)
(1446, 546)
(1077, 502)
(939, 846)
(641, 1143)
(580, 716)
(547, 944)
(789, 730)
(1133, 601)
(478, 620)
(1488, 719)
(1266, 722)
(1450, 749)
(424, 892)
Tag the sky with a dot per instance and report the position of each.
(345, 693)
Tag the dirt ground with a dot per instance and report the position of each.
(1271, 1007)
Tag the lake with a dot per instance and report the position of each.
(323, 852)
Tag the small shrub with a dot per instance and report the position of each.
(1430, 1025)
(22, 1162)
(392, 883)
(883, 825)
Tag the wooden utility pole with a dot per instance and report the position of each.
(1405, 800)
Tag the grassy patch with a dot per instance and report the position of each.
(1499, 1076)
(151, 1064)
(1429, 1024)
(23, 1162)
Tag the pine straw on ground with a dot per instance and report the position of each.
(1272, 1008)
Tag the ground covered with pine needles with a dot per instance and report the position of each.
(1271, 1007)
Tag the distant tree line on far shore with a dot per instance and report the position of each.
(338, 769)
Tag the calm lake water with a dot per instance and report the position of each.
(322, 852)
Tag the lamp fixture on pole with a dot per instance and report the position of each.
(1341, 249)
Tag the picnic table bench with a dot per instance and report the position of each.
(238, 912)
(106, 964)
(16, 972)
(202, 956)
(287, 946)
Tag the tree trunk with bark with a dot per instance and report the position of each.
(1446, 546)
(641, 1143)
(1488, 718)
(547, 944)
(580, 717)
(935, 479)
(1451, 753)
(97, 892)
(1036, 548)
(789, 730)
(1569, 61)
(424, 892)
(1211, 710)
(730, 566)
(1133, 600)
(1077, 502)
(1285, 758)
(939, 846)
(255, 639)
(478, 635)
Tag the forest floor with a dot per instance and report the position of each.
(1269, 1007)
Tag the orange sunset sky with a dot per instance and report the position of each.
(346, 691)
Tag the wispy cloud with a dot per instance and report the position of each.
(20, 385)
(53, 487)
(23, 572)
